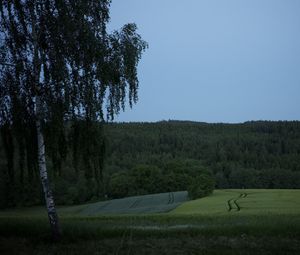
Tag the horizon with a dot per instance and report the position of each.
(199, 121)
(226, 62)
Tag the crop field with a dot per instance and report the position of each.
(155, 203)
(135, 205)
(244, 221)
(249, 201)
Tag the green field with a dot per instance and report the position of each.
(135, 205)
(227, 222)
(244, 201)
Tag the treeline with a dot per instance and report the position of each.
(91, 161)
(175, 175)
(261, 154)
(75, 162)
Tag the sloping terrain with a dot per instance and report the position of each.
(155, 203)
(146, 204)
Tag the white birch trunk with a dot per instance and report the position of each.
(52, 215)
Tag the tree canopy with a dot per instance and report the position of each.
(61, 53)
(59, 66)
(83, 71)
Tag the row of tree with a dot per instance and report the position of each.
(175, 175)
(75, 163)
(92, 161)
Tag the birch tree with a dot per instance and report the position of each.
(59, 64)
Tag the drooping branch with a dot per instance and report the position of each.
(60, 52)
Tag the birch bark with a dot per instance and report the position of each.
(52, 214)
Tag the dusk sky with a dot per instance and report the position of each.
(215, 60)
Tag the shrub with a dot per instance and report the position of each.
(120, 185)
(201, 186)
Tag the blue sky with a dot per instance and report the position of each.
(215, 60)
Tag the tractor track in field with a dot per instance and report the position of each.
(233, 203)
(105, 205)
(135, 203)
(171, 198)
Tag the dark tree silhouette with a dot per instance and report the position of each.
(60, 64)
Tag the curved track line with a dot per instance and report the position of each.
(171, 198)
(233, 203)
(135, 203)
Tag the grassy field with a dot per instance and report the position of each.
(135, 205)
(245, 202)
(227, 222)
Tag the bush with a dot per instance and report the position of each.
(201, 186)
(149, 179)
(120, 185)
(72, 195)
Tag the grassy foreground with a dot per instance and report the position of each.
(228, 222)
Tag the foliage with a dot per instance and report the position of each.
(82, 66)
(120, 185)
(248, 155)
(202, 186)
(262, 154)
(146, 179)
(61, 67)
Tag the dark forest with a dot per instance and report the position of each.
(139, 158)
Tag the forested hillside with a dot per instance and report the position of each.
(260, 154)
(140, 158)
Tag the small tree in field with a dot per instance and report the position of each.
(201, 186)
(59, 64)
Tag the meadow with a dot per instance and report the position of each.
(245, 221)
